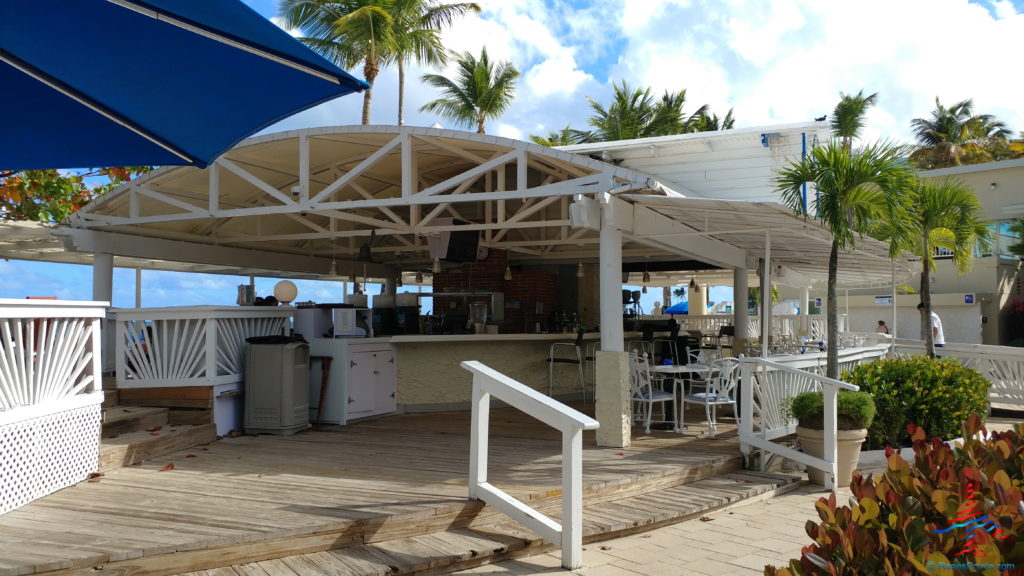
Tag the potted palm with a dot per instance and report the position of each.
(854, 413)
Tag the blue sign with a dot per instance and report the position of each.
(817, 302)
(968, 298)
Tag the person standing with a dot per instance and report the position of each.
(881, 328)
(937, 337)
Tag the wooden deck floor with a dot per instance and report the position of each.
(241, 498)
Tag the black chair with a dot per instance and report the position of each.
(723, 333)
(576, 358)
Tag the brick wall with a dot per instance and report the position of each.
(523, 292)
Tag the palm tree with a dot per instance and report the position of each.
(418, 25)
(848, 116)
(482, 90)
(944, 213)
(635, 113)
(855, 188)
(565, 137)
(1017, 229)
(348, 33)
(956, 135)
(710, 122)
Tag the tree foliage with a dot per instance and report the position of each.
(955, 135)
(482, 90)
(53, 195)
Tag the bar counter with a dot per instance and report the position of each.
(430, 377)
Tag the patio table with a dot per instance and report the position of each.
(675, 370)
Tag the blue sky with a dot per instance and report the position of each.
(771, 62)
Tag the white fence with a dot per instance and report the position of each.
(50, 396)
(794, 325)
(1003, 366)
(767, 383)
(189, 345)
(569, 534)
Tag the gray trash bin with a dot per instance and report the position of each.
(276, 387)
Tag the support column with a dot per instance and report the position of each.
(739, 311)
(805, 312)
(766, 296)
(103, 291)
(138, 287)
(612, 407)
(103, 277)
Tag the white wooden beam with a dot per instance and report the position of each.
(257, 182)
(359, 169)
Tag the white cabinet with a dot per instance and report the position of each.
(361, 381)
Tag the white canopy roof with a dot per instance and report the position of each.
(288, 204)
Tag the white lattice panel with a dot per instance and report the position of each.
(41, 455)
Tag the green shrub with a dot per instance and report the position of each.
(854, 410)
(935, 394)
(951, 507)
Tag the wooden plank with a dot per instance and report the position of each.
(177, 397)
(133, 447)
(125, 419)
(190, 416)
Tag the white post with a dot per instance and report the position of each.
(478, 438)
(612, 405)
(610, 279)
(766, 295)
(572, 498)
(829, 393)
(138, 287)
(102, 276)
(747, 407)
(739, 310)
(805, 311)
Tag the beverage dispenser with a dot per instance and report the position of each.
(407, 314)
(383, 315)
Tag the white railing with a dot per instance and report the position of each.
(1003, 366)
(569, 534)
(50, 396)
(189, 345)
(767, 383)
(49, 352)
(812, 326)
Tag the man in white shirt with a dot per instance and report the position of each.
(937, 337)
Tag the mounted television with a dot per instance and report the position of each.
(462, 246)
(455, 245)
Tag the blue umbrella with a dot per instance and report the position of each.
(92, 83)
(677, 308)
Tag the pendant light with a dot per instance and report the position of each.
(646, 278)
(437, 265)
(419, 277)
(508, 272)
(694, 287)
(579, 264)
(333, 270)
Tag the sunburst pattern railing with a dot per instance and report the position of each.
(189, 346)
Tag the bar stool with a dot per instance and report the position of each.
(576, 358)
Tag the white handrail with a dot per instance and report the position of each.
(569, 534)
(750, 383)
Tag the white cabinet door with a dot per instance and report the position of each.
(384, 390)
(361, 380)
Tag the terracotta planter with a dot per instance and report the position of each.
(847, 452)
